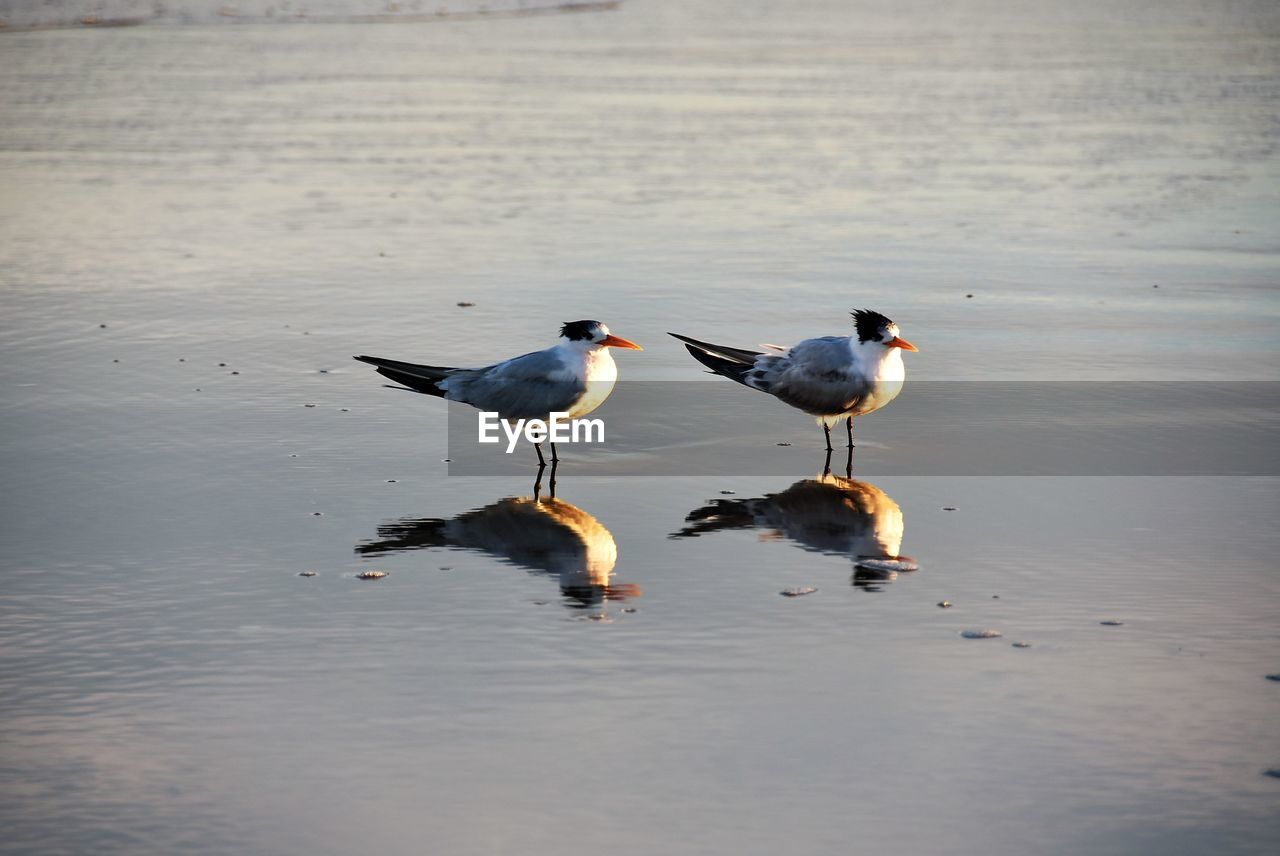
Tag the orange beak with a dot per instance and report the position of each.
(899, 342)
(612, 341)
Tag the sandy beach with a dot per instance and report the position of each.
(202, 224)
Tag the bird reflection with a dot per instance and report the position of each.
(828, 514)
(545, 536)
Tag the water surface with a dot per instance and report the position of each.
(202, 224)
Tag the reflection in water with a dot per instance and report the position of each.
(829, 514)
(546, 536)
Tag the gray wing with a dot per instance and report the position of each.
(530, 386)
(818, 376)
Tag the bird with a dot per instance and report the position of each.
(828, 514)
(573, 376)
(829, 377)
(544, 536)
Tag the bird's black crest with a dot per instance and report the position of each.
(869, 323)
(579, 331)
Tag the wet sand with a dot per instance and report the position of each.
(203, 224)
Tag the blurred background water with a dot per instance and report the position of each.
(201, 224)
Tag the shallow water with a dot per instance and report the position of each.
(279, 198)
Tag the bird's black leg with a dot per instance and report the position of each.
(555, 459)
(554, 463)
(826, 465)
(826, 430)
(537, 483)
(537, 447)
(848, 462)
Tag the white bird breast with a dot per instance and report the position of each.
(890, 374)
(601, 373)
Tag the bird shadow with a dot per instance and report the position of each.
(832, 515)
(543, 535)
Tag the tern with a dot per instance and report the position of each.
(573, 376)
(830, 377)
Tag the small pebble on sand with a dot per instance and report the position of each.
(969, 295)
(392, 481)
(1275, 677)
(629, 609)
(371, 575)
(889, 564)
(317, 514)
(102, 326)
(783, 444)
(945, 604)
(1022, 644)
(981, 634)
(948, 508)
(797, 592)
(306, 573)
(727, 492)
(465, 303)
(1111, 622)
(308, 405)
(1274, 773)
(222, 365)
